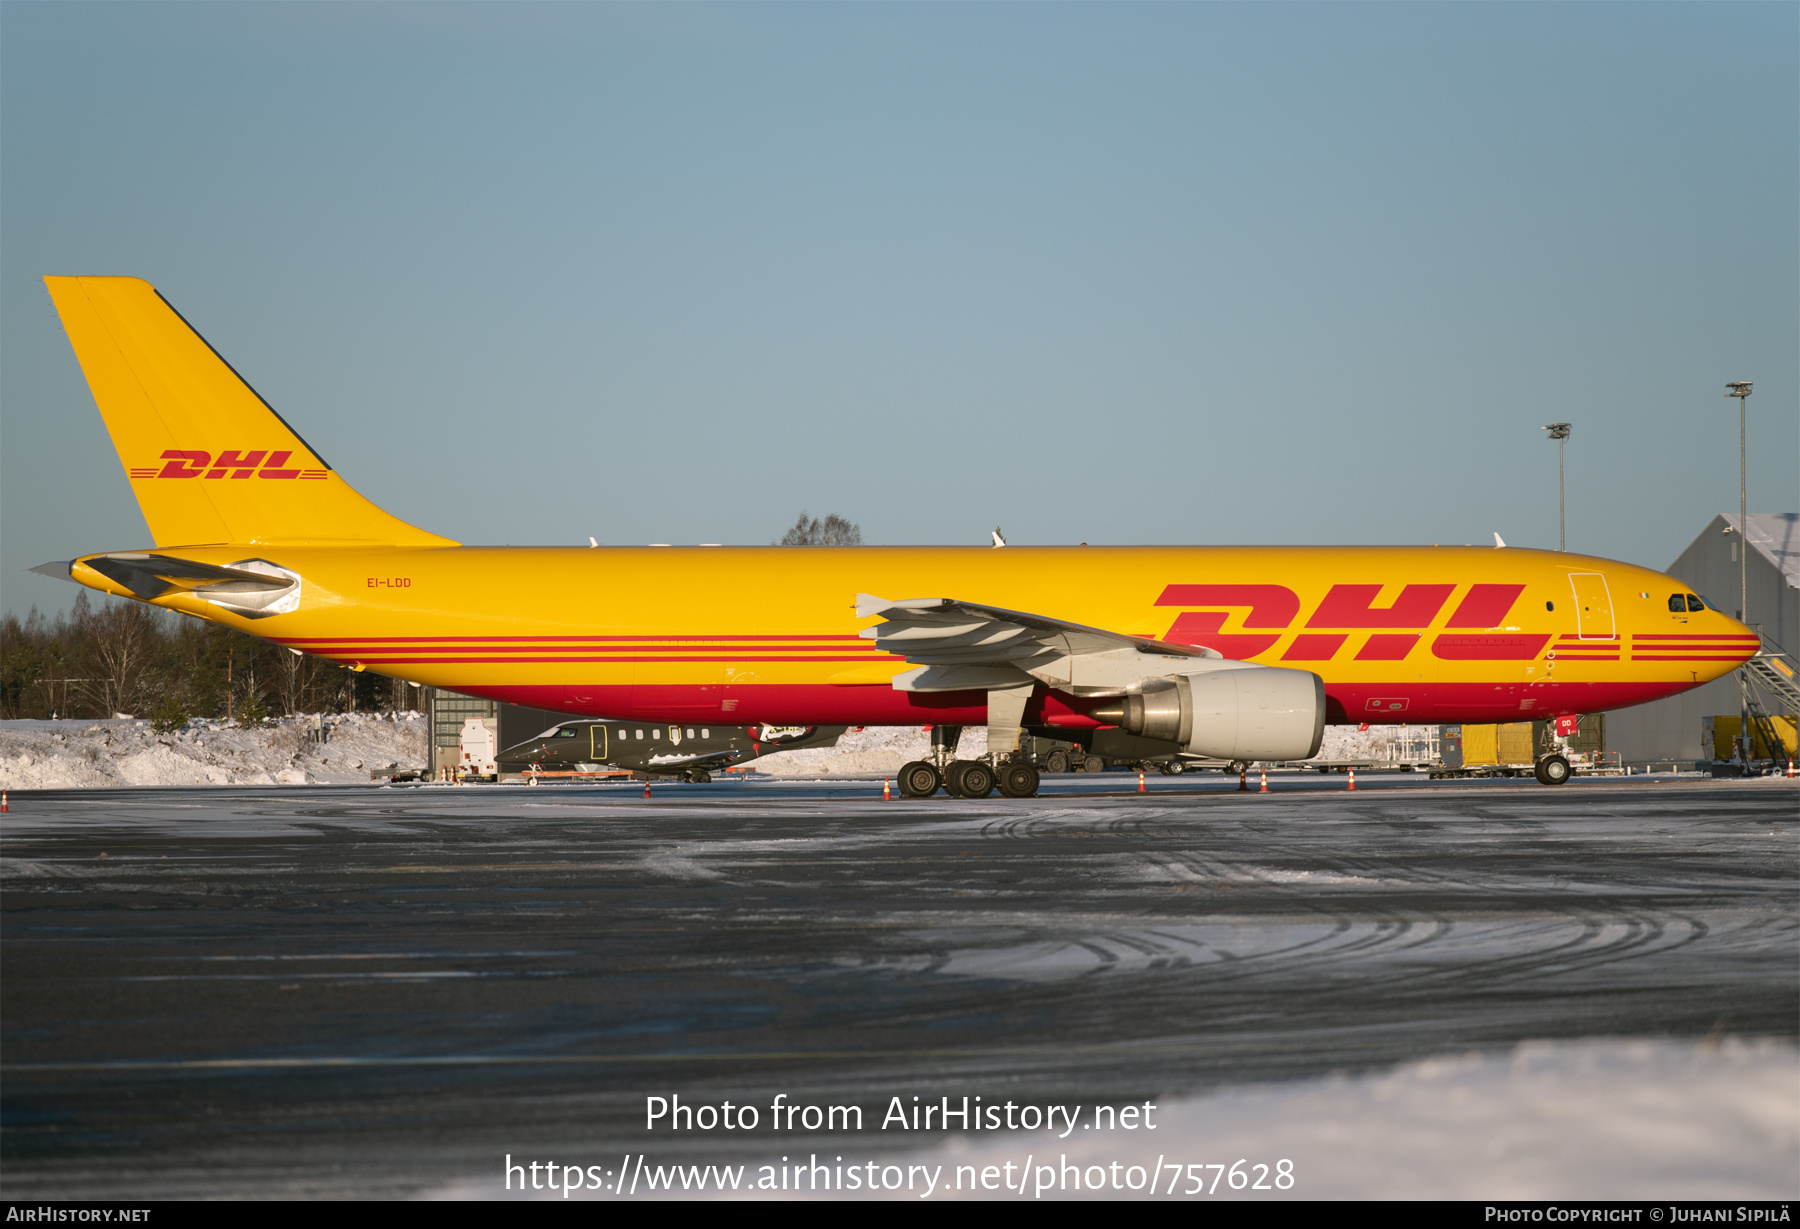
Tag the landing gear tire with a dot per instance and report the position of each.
(1056, 761)
(698, 777)
(919, 780)
(1018, 780)
(1174, 768)
(969, 779)
(1552, 770)
(1237, 768)
(1093, 763)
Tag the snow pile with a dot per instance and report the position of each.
(1378, 742)
(1566, 1120)
(1550, 1120)
(872, 749)
(126, 751)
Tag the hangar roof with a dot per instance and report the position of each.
(1777, 536)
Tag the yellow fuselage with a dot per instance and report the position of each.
(760, 634)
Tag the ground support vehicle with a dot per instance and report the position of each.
(475, 754)
(1516, 749)
(1113, 748)
(1366, 765)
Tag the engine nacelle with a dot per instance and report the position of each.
(1246, 713)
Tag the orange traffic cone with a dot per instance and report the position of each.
(646, 787)
(1265, 784)
(1244, 780)
(1141, 788)
(5, 808)
(1353, 778)
(886, 794)
(1790, 773)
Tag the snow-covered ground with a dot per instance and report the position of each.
(126, 751)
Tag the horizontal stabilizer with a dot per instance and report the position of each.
(151, 576)
(254, 588)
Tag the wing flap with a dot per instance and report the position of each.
(957, 645)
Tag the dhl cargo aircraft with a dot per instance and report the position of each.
(1238, 653)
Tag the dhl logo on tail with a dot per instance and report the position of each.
(192, 463)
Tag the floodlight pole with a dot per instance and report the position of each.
(1741, 390)
(1559, 431)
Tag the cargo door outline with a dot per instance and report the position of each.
(1593, 606)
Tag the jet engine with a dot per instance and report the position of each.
(1247, 713)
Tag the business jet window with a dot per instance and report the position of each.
(1549, 605)
(705, 733)
(690, 733)
(1678, 603)
(1695, 603)
(640, 734)
(655, 734)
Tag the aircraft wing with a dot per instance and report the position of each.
(958, 645)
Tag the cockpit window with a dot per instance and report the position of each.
(1697, 603)
(565, 733)
(1678, 603)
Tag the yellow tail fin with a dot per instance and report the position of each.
(208, 460)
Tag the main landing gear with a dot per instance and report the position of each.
(1015, 778)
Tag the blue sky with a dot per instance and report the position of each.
(1213, 273)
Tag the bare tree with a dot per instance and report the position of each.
(834, 530)
(122, 638)
(293, 674)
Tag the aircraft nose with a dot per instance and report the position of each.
(1737, 627)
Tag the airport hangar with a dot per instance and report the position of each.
(1678, 730)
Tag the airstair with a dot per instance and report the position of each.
(1772, 671)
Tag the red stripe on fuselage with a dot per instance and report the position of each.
(352, 639)
(520, 661)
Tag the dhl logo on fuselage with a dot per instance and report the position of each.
(1275, 607)
(1272, 609)
(192, 463)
